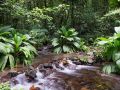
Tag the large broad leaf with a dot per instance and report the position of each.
(26, 51)
(55, 42)
(6, 48)
(66, 49)
(102, 42)
(77, 45)
(117, 29)
(5, 59)
(9, 48)
(4, 39)
(58, 50)
(116, 56)
(3, 62)
(118, 63)
(6, 30)
(26, 37)
(11, 60)
(32, 49)
(110, 68)
(70, 39)
(17, 41)
(2, 47)
(63, 31)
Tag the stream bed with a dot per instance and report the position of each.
(57, 72)
(64, 75)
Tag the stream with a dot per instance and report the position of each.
(64, 74)
(58, 72)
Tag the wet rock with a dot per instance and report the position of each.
(30, 74)
(40, 84)
(57, 66)
(65, 63)
(56, 84)
(14, 81)
(77, 62)
(74, 59)
(43, 71)
(34, 88)
(48, 65)
(12, 74)
(37, 88)
(40, 66)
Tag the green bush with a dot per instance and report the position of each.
(5, 86)
(67, 41)
(40, 36)
(111, 51)
(16, 49)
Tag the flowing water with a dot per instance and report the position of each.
(64, 75)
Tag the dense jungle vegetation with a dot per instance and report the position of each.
(67, 25)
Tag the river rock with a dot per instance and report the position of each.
(48, 66)
(77, 62)
(12, 74)
(34, 88)
(14, 81)
(65, 63)
(30, 74)
(58, 66)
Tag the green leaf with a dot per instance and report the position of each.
(4, 62)
(17, 40)
(118, 63)
(116, 56)
(102, 42)
(117, 29)
(58, 50)
(77, 45)
(70, 39)
(55, 42)
(66, 49)
(26, 51)
(11, 60)
(110, 68)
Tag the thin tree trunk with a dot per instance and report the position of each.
(72, 13)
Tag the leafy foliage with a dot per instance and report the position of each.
(67, 41)
(5, 86)
(40, 36)
(16, 49)
(111, 47)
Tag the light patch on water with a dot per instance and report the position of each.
(79, 67)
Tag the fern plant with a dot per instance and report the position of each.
(67, 41)
(111, 48)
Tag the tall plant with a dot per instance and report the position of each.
(111, 48)
(16, 49)
(67, 41)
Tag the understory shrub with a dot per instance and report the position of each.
(111, 52)
(5, 86)
(16, 49)
(66, 40)
(40, 36)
